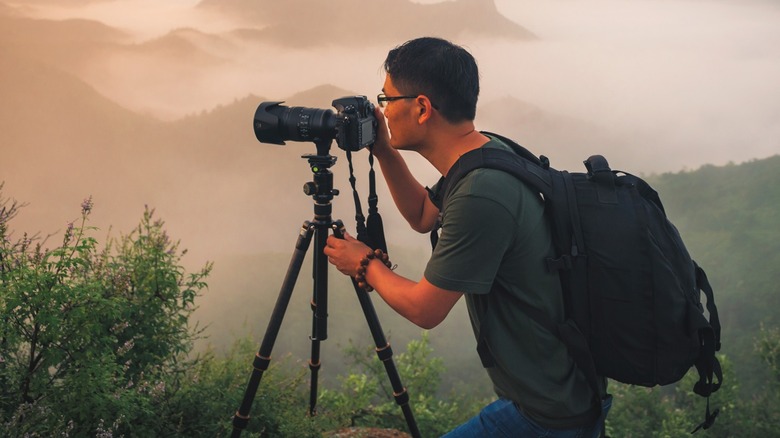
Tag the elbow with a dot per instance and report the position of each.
(427, 218)
(427, 320)
(427, 325)
(421, 228)
(423, 225)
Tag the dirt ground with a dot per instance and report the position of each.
(367, 432)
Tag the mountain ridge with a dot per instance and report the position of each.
(316, 24)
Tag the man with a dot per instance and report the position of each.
(493, 242)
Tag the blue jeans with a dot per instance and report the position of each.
(503, 419)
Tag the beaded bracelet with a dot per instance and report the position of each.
(360, 277)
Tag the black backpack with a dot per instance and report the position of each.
(632, 294)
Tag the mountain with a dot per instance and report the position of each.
(69, 44)
(728, 217)
(565, 140)
(68, 3)
(61, 139)
(186, 45)
(204, 172)
(350, 23)
(6, 10)
(231, 125)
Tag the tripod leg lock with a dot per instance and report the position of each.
(240, 422)
(385, 353)
(261, 363)
(401, 398)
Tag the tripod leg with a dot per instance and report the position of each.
(385, 354)
(263, 357)
(319, 307)
(383, 349)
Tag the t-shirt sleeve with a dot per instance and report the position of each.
(476, 233)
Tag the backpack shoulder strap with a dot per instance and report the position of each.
(536, 174)
(521, 163)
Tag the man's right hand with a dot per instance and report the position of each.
(382, 146)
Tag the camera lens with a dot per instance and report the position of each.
(306, 124)
(275, 123)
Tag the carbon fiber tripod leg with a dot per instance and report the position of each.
(383, 350)
(319, 307)
(385, 354)
(263, 357)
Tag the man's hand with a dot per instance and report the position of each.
(420, 302)
(345, 254)
(382, 146)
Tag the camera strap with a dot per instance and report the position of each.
(370, 231)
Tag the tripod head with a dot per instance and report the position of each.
(321, 189)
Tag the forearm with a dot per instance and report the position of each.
(420, 302)
(410, 197)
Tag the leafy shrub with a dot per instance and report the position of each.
(366, 397)
(92, 341)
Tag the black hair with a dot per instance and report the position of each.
(439, 69)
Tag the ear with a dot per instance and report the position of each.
(425, 109)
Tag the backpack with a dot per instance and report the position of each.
(632, 293)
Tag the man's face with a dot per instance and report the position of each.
(401, 118)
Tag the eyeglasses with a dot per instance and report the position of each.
(381, 98)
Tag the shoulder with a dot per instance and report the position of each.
(493, 184)
(487, 183)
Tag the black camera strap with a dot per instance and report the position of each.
(370, 231)
(374, 226)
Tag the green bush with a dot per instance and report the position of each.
(366, 397)
(92, 341)
(217, 384)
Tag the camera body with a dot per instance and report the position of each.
(353, 126)
(355, 123)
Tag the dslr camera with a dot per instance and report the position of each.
(353, 126)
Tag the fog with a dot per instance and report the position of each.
(142, 102)
(683, 83)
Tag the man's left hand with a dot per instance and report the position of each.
(345, 254)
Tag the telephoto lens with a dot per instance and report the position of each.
(274, 123)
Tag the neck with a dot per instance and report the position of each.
(446, 147)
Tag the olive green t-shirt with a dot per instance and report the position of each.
(493, 229)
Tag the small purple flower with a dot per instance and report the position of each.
(86, 206)
(69, 231)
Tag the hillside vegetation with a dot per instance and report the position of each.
(729, 218)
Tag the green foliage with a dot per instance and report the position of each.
(204, 407)
(674, 411)
(366, 397)
(661, 411)
(92, 340)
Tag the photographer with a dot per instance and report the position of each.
(493, 240)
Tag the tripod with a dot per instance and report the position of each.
(321, 190)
